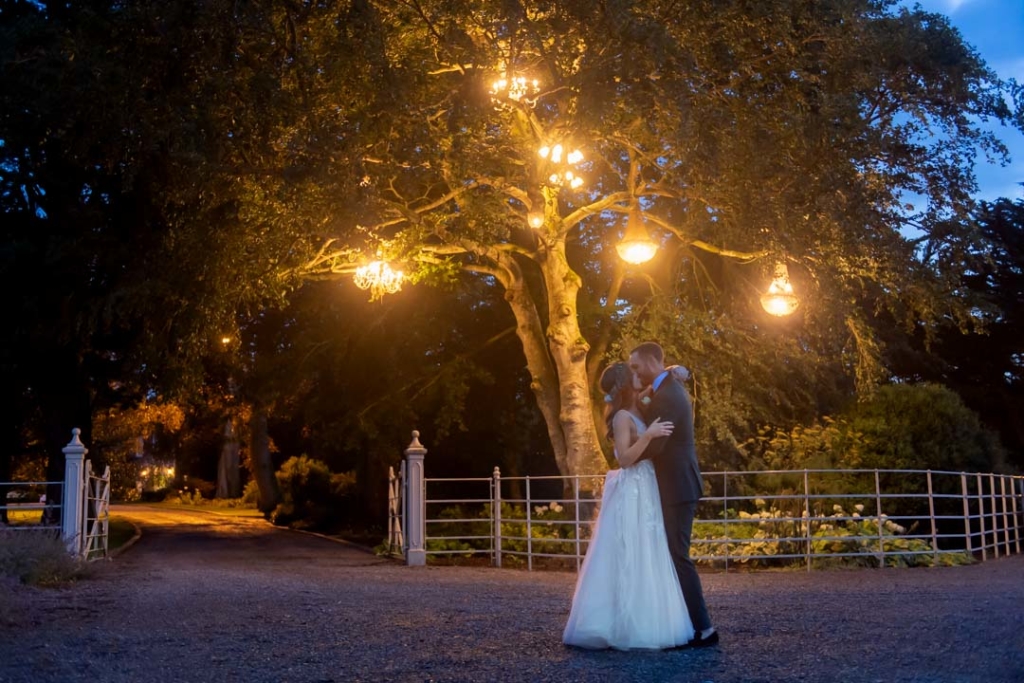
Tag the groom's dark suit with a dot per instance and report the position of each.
(680, 485)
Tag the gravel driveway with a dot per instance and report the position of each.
(203, 597)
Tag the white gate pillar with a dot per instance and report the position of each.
(73, 499)
(416, 507)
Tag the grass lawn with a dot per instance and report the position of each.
(211, 506)
(121, 531)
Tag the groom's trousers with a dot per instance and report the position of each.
(678, 528)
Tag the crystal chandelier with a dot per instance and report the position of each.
(514, 88)
(560, 160)
(379, 278)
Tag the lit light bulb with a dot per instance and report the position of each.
(535, 219)
(636, 252)
(636, 246)
(780, 300)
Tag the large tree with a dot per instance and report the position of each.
(746, 133)
(194, 163)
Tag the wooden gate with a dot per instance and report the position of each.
(96, 513)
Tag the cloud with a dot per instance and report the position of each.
(947, 7)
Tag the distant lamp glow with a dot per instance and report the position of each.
(225, 340)
(379, 278)
(535, 219)
(170, 471)
(779, 300)
(636, 246)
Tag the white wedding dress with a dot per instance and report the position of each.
(627, 594)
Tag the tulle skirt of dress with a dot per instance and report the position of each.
(627, 594)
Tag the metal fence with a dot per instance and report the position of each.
(25, 505)
(812, 517)
(81, 519)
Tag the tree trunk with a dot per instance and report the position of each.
(229, 483)
(557, 361)
(543, 378)
(262, 464)
(569, 353)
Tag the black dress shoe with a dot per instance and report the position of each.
(698, 641)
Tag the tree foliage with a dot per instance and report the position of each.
(174, 173)
(910, 427)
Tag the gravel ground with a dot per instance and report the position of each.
(208, 598)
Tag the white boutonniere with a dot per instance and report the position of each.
(646, 400)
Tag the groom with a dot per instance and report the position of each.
(679, 480)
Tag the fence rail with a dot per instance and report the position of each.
(25, 506)
(811, 517)
(81, 519)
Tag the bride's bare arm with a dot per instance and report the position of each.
(629, 447)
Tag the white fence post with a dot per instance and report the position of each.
(73, 503)
(416, 526)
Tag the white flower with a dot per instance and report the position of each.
(540, 509)
(555, 507)
(837, 508)
(759, 502)
(646, 400)
(858, 507)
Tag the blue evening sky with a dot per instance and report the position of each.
(995, 28)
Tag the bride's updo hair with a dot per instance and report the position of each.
(617, 385)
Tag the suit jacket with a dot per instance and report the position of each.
(675, 456)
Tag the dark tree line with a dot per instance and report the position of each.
(173, 174)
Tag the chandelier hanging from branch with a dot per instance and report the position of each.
(379, 278)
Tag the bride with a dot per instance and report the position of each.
(627, 594)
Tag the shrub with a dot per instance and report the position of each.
(311, 496)
(38, 558)
(771, 533)
(923, 426)
(551, 530)
(251, 494)
(199, 488)
(900, 426)
(155, 496)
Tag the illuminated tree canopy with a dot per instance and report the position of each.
(208, 159)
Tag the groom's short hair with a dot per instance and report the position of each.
(650, 350)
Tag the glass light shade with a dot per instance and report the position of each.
(780, 300)
(636, 246)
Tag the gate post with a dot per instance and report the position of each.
(415, 490)
(73, 500)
